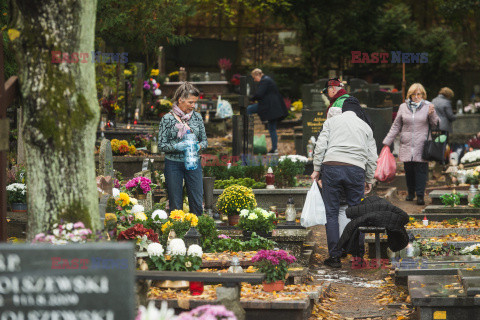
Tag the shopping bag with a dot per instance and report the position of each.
(313, 212)
(386, 166)
(259, 144)
(224, 109)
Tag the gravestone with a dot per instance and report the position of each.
(88, 281)
(105, 159)
(384, 99)
(382, 121)
(312, 125)
(357, 84)
(312, 95)
(362, 96)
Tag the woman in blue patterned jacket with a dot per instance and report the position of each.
(173, 126)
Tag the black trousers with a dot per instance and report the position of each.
(416, 174)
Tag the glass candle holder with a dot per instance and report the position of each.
(196, 288)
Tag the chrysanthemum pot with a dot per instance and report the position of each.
(233, 220)
(273, 286)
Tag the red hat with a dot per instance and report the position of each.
(332, 82)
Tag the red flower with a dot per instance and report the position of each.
(138, 230)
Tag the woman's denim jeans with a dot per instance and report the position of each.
(175, 174)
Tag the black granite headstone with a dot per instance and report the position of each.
(312, 125)
(385, 99)
(312, 95)
(75, 281)
(355, 84)
(382, 121)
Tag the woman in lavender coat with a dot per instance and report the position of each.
(412, 123)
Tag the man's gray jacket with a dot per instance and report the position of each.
(346, 138)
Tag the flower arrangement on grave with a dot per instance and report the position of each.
(234, 199)
(17, 173)
(151, 312)
(217, 312)
(257, 220)
(429, 247)
(17, 193)
(121, 147)
(476, 201)
(151, 86)
(471, 156)
(473, 250)
(225, 243)
(180, 222)
(65, 233)
(288, 167)
(177, 257)
(137, 232)
(473, 107)
(274, 263)
(475, 142)
(450, 199)
(235, 80)
(139, 185)
(173, 76)
(297, 106)
(163, 106)
(224, 64)
(246, 182)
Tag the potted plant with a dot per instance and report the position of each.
(17, 197)
(180, 222)
(257, 220)
(234, 199)
(139, 186)
(177, 258)
(274, 263)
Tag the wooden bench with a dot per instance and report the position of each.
(377, 231)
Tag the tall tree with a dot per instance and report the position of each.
(60, 110)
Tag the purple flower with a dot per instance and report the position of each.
(222, 236)
(116, 183)
(78, 225)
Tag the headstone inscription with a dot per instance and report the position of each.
(88, 281)
(312, 125)
(312, 95)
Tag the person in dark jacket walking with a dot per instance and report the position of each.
(270, 106)
(443, 107)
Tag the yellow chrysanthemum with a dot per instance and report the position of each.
(177, 215)
(127, 72)
(154, 72)
(166, 226)
(123, 199)
(132, 149)
(192, 218)
(140, 216)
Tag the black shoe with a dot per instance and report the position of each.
(333, 262)
(344, 254)
(420, 201)
(273, 151)
(410, 198)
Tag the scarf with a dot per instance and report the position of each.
(181, 126)
(413, 106)
(340, 93)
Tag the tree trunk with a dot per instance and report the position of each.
(61, 111)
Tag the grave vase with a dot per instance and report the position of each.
(140, 196)
(273, 286)
(233, 220)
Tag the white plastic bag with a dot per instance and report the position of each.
(342, 219)
(224, 109)
(313, 212)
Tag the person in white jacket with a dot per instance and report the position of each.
(345, 158)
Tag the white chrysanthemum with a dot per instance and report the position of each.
(158, 92)
(244, 213)
(469, 248)
(137, 208)
(151, 312)
(252, 216)
(20, 187)
(471, 156)
(155, 249)
(195, 251)
(115, 193)
(69, 226)
(141, 216)
(177, 247)
(160, 214)
(134, 201)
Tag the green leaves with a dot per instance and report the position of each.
(450, 199)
